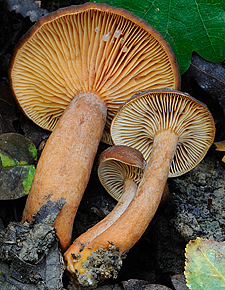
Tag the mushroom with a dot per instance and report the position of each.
(69, 74)
(120, 166)
(174, 132)
(120, 171)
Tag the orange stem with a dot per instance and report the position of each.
(130, 226)
(83, 241)
(65, 164)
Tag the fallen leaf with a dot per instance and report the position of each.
(205, 265)
(18, 156)
(220, 146)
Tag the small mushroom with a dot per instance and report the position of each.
(119, 164)
(120, 171)
(118, 167)
(70, 73)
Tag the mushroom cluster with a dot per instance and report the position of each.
(70, 73)
(174, 132)
(94, 72)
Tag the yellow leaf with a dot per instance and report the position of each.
(220, 146)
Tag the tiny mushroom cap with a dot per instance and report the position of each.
(70, 73)
(118, 163)
(146, 114)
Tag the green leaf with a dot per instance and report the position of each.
(193, 25)
(18, 156)
(205, 265)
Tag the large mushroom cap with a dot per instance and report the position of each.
(138, 121)
(91, 47)
(117, 163)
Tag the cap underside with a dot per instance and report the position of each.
(94, 51)
(112, 174)
(139, 120)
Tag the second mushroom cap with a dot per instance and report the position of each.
(141, 118)
(118, 163)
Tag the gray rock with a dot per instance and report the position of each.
(199, 198)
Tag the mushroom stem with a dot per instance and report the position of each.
(65, 164)
(83, 241)
(150, 190)
(129, 191)
(127, 230)
(130, 226)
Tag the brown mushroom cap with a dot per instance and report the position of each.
(88, 48)
(117, 163)
(138, 121)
